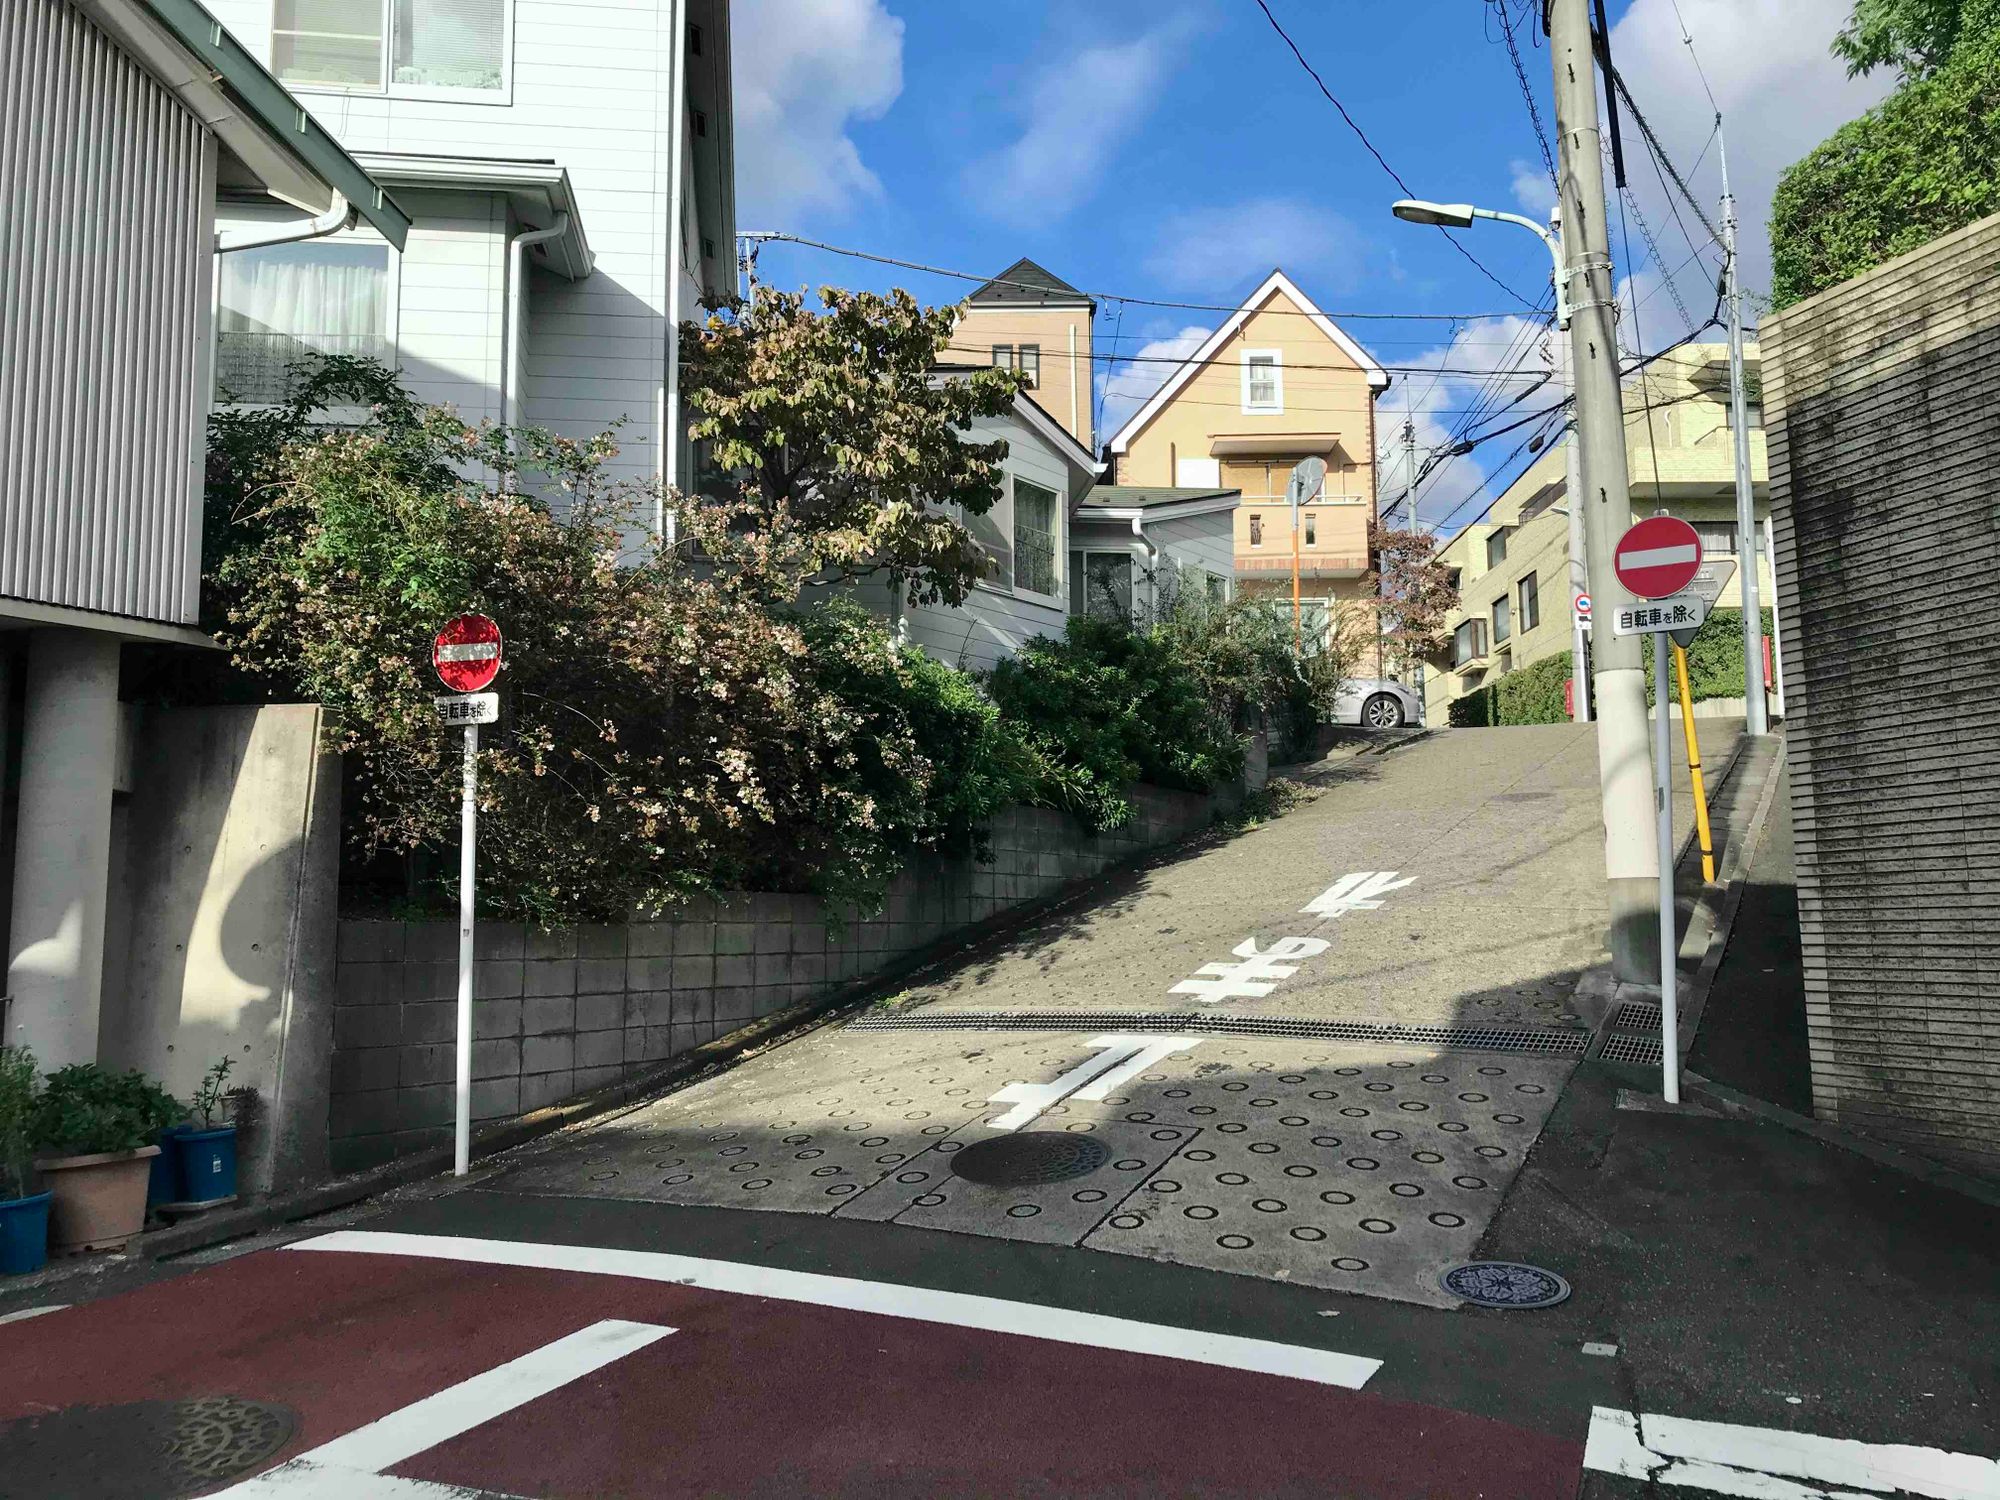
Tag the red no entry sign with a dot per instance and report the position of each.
(1657, 557)
(467, 653)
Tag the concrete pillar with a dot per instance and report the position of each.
(62, 844)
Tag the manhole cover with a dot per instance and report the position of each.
(1024, 1160)
(1505, 1283)
(143, 1450)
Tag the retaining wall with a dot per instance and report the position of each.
(1882, 404)
(558, 1013)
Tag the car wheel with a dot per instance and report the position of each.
(1382, 711)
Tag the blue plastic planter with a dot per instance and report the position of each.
(24, 1234)
(166, 1185)
(208, 1164)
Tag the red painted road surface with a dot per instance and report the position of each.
(748, 1396)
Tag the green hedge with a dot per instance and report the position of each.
(1923, 163)
(1534, 695)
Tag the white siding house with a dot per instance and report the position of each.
(569, 169)
(1027, 540)
(1131, 543)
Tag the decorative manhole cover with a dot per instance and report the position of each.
(1037, 1156)
(1505, 1283)
(143, 1450)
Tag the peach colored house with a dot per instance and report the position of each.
(1278, 382)
(1031, 320)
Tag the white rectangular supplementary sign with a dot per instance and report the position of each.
(469, 708)
(468, 651)
(1679, 612)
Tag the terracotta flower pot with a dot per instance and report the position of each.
(100, 1200)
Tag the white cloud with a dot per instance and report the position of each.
(1781, 93)
(1213, 249)
(806, 69)
(1465, 371)
(1078, 111)
(1532, 188)
(1125, 388)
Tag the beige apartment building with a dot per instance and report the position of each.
(1029, 319)
(1278, 382)
(1513, 563)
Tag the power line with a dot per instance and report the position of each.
(1527, 94)
(1028, 286)
(1660, 157)
(1394, 176)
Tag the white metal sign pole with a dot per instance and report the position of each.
(1663, 796)
(468, 837)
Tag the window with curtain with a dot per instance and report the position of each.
(392, 45)
(1034, 537)
(1531, 603)
(283, 305)
(1718, 538)
(1100, 584)
(1261, 390)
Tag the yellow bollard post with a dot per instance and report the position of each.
(1694, 767)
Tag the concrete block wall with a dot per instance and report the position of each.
(1882, 406)
(559, 1013)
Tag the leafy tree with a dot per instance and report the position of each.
(837, 430)
(1912, 36)
(1417, 591)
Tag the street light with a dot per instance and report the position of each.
(1461, 215)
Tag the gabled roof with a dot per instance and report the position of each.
(1276, 282)
(1025, 284)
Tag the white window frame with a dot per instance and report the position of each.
(1277, 359)
(341, 416)
(388, 88)
(1059, 564)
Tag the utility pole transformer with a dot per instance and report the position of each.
(1631, 844)
(1747, 538)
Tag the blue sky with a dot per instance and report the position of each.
(1174, 149)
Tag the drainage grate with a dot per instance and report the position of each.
(142, 1450)
(1028, 1160)
(1505, 1283)
(1632, 1049)
(1636, 1018)
(1546, 1043)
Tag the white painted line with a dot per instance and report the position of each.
(1659, 557)
(299, 1480)
(955, 1309)
(32, 1312)
(1361, 891)
(1151, 1050)
(1602, 1351)
(1030, 1099)
(492, 1393)
(1256, 976)
(469, 651)
(1766, 1463)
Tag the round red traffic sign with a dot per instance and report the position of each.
(467, 653)
(1657, 557)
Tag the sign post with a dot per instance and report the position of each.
(1308, 475)
(1579, 674)
(467, 658)
(1655, 560)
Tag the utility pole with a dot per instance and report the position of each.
(1604, 501)
(1755, 719)
(1579, 569)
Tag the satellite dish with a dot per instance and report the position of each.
(1308, 474)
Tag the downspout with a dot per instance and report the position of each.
(1152, 558)
(670, 437)
(341, 215)
(517, 304)
(1074, 431)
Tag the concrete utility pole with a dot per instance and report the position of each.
(1579, 569)
(1747, 538)
(1631, 845)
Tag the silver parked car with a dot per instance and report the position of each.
(1376, 703)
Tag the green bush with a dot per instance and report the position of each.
(1715, 659)
(85, 1109)
(1108, 705)
(1924, 162)
(17, 1113)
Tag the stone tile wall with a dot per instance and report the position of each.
(558, 1013)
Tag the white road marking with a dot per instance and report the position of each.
(1659, 557)
(1256, 976)
(1768, 1464)
(1093, 1078)
(469, 651)
(32, 1312)
(924, 1304)
(1603, 1351)
(1361, 891)
(352, 1465)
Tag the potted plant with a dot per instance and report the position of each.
(208, 1150)
(98, 1129)
(24, 1216)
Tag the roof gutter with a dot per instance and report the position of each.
(341, 216)
(517, 301)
